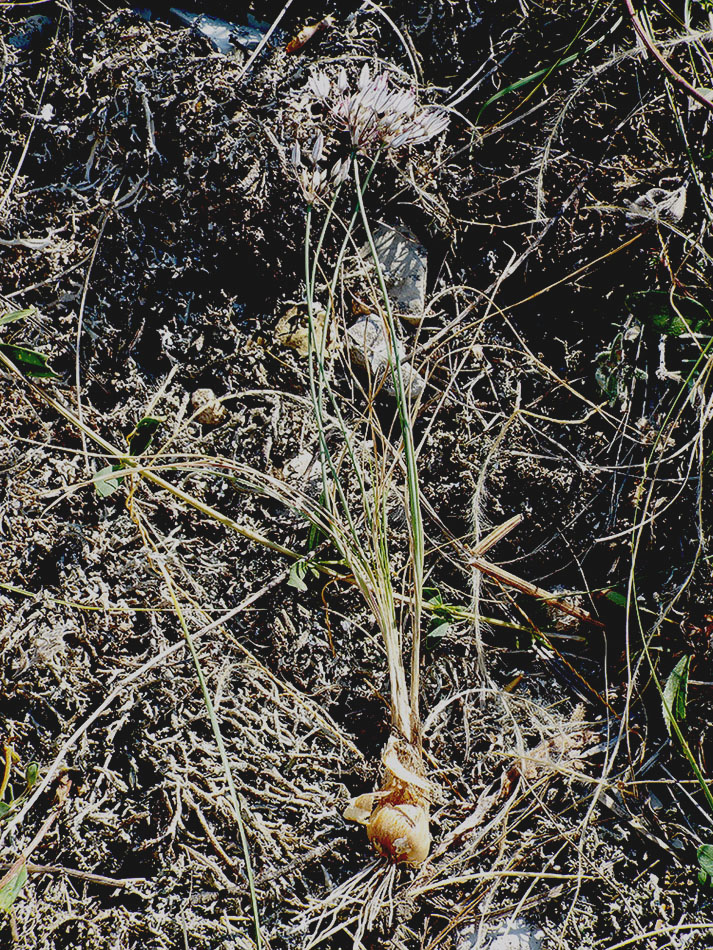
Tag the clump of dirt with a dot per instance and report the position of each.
(152, 226)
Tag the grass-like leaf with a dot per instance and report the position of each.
(14, 315)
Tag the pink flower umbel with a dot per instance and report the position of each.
(376, 113)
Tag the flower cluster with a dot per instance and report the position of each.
(312, 176)
(376, 113)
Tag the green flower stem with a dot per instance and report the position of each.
(415, 516)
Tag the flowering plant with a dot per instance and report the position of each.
(374, 113)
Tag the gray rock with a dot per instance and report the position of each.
(510, 935)
(368, 346)
(304, 471)
(222, 35)
(31, 33)
(405, 265)
(367, 341)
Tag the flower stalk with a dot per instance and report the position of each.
(374, 114)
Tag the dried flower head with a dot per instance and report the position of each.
(319, 85)
(340, 171)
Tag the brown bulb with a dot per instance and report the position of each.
(400, 832)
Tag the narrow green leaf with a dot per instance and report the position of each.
(5, 808)
(540, 74)
(12, 884)
(29, 361)
(616, 598)
(17, 315)
(675, 693)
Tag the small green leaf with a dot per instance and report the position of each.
(436, 633)
(17, 315)
(5, 808)
(32, 773)
(705, 858)
(29, 361)
(297, 573)
(432, 596)
(105, 485)
(12, 884)
(675, 693)
(671, 317)
(616, 598)
(142, 435)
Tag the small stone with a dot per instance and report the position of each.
(367, 341)
(208, 409)
(292, 328)
(404, 263)
(303, 466)
(304, 471)
(368, 346)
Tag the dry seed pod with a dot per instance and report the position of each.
(307, 32)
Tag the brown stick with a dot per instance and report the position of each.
(512, 580)
(497, 534)
(73, 872)
(500, 574)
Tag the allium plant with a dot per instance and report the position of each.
(372, 114)
(375, 115)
